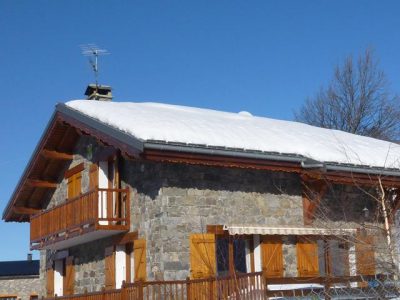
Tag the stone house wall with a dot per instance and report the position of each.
(171, 201)
(23, 288)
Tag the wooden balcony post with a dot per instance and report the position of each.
(140, 289)
(211, 283)
(124, 295)
(188, 291)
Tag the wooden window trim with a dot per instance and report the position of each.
(74, 170)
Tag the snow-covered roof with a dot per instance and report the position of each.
(189, 125)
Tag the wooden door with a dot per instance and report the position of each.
(202, 255)
(69, 279)
(139, 252)
(307, 258)
(365, 254)
(110, 268)
(272, 256)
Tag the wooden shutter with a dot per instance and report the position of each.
(202, 255)
(307, 258)
(365, 254)
(69, 279)
(74, 185)
(110, 268)
(93, 176)
(272, 256)
(50, 281)
(139, 252)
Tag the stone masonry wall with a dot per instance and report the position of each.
(23, 288)
(171, 201)
(89, 257)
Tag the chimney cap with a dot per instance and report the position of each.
(98, 92)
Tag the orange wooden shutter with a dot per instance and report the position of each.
(93, 176)
(110, 268)
(307, 258)
(69, 279)
(139, 252)
(50, 282)
(272, 256)
(74, 185)
(202, 255)
(365, 255)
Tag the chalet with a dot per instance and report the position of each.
(19, 279)
(129, 192)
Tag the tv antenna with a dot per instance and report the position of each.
(93, 52)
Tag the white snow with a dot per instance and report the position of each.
(172, 123)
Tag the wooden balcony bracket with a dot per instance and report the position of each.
(51, 154)
(26, 210)
(41, 184)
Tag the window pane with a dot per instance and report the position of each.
(222, 256)
(239, 255)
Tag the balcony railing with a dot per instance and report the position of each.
(99, 209)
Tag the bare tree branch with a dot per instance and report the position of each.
(357, 100)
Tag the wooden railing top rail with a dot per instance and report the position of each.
(323, 279)
(77, 198)
(183, 281)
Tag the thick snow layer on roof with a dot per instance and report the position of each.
(172, 123)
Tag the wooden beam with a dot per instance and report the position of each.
(41, 184)
(26, 210)
(51, 154)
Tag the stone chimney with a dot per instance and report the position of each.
(98, 92)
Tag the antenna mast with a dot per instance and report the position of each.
(93, 52)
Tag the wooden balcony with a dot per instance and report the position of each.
(96, 214)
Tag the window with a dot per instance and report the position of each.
(8, 297)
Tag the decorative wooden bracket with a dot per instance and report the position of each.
(313, 191)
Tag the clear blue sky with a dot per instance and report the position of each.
(264, 56)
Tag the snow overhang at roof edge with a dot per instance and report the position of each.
(123, 137)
